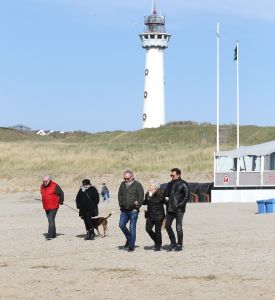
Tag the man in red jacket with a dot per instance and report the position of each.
(52, 196)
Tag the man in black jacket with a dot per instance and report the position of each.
(176, 196)
(87, 202)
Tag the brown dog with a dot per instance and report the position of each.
(101, 221)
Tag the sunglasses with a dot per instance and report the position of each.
(172, 175)
(126, 179)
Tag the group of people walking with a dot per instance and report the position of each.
(173, 196)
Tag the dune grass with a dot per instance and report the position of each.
(26, 157)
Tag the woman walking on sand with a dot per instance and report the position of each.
(154, 199)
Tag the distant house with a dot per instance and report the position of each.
(41, 132)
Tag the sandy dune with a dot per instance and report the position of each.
(229, 254)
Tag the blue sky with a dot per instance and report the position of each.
(79, 65)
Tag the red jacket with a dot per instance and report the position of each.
(50, 199)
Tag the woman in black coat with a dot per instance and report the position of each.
(154, 199)
(87, 202)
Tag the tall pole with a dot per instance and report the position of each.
(238, 98)
(218, 87)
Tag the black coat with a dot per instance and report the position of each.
(178, 193)
(155, 209)
(87, 201)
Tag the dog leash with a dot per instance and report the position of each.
(63, 204)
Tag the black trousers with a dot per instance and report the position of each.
(155, 235)
(51, 219)
(88, 223)
(170, 216)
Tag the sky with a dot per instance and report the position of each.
(78, 64)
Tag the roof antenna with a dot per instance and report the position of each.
(154, 9)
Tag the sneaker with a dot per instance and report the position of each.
(172, 247)
(131, 249)
(178, 248)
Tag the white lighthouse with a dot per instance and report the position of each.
(154, 40)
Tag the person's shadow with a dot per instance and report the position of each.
(58, 234)
(164, 247)
(81, 236)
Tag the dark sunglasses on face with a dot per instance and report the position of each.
(126, 179)
(173, 176)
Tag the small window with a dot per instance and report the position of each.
(146, 36)
(145, 94)
(144, 117)
(152, 36)
(159, 36)
(146, 72)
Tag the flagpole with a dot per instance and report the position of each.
(238, 99)
(218, 87)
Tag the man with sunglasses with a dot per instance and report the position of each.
(176, 196)
(52, 196)
(130, 199)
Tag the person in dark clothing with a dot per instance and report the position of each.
(176, 196)
(130, 199)
(52, 197)
(105, 192)
(154, 199)
(87, 200)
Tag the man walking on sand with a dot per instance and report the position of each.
(130, 199)
(52, 196)
(176, 196)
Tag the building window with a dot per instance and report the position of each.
(146, 72)
(159, 36)
(145, 94)
(144, 117)
(146, 36)
(152, 36)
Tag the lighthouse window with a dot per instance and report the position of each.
(144, 117)
(152, 36)
(146, 36)
(145, 94)
(146, 72)
(159, 36)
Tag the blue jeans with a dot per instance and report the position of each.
(130, 235)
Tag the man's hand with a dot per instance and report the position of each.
(136, 202)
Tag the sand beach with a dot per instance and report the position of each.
(228, 254)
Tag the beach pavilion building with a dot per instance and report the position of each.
(246, 174)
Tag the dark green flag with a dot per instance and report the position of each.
(235, 53)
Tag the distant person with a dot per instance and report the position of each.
(105, 192)
(52, 196)
(87, 200)
(154, 199)
(176, 195)
(130, 199)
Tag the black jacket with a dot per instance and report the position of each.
(155, 209)
(178, 193)
(87, 201)
(128, 196)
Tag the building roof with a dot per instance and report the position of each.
(258, 150)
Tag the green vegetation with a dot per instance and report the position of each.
(25, 156)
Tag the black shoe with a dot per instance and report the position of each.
(172, 247)
(178, 248)
(131, 249)
(126, 244)
(90, 236)
(47, 238)
(157, 249)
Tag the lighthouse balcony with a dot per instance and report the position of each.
(159, 40)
